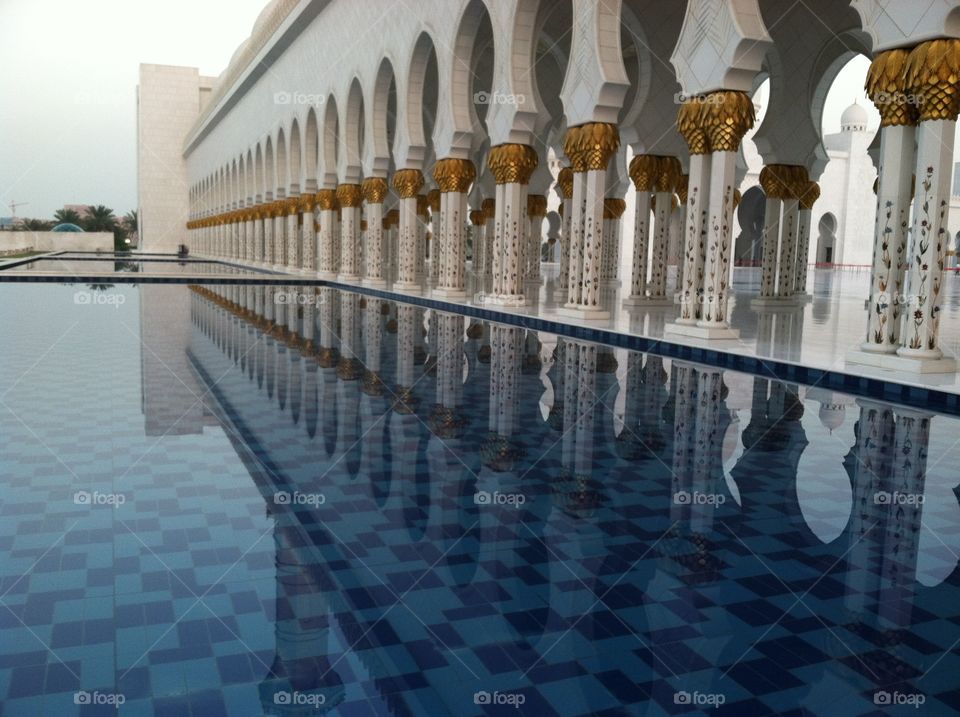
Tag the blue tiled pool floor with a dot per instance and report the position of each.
(218, 502)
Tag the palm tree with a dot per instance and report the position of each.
(100, 219)
(67, 216)
(130, 221)
(36, 225)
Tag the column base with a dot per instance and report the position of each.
(584, 313)
(648, 301)
(710, 333)
(374, 283)
(353, 278)
(446, 293)
(905, 364)
(329, 275)
(774, 302)
(409, 287)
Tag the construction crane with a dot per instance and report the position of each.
(13, 207)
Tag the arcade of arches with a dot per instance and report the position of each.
(427, 161)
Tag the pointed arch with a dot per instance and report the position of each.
(295, 180)
(352, 136)
(310, 151)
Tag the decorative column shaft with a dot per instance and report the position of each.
(435, 248)
(565, 181)
(665, 184)
(349, 197)
(690, 124)
(454, 177)
(268, 227)
(374, 192)
(789, 233)
(536, 211)
(589, 148)
(643, 172)
(898, 118)
(308, 223)
(293, 232)
(477, 221)
(931, 71)
(774, 184)
(279, 259)
(613, 209)
(407, 183)
(511, 165)
(326, 238)
(804, 216)
(258, 234)
(489, 207)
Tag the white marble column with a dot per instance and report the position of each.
(349, 197)
(293, 233)
(536, 211)
(511, 165)
(643, 171)
(279, 234)
(489, 206)
(407, 183)
(694, 235)
(268, 227)
(326, 237)
(308, 246)
(565, 184)
(374, 192)
(258, 234)
(434, 247)
(804, 218)
(454, 177)
(774, 187)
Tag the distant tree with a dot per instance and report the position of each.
(67, 216)
(130, 221)
(100, 219)
(36, 225)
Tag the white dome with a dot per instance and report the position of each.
(854, 117)
(832, 415)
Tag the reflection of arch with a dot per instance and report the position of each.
(750, 215)
(827, 240)
(311, 149)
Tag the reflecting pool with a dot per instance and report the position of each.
(249, 500)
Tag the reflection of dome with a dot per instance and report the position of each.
(66, 227)
(853, 118)
(832, 415)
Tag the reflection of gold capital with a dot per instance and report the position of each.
(728, 116)
(349, 195)
(565, 180)
(512, 163)
(590, 146)
(407, 182)
(536, 205)
(327, 199)
(374, 190)
(885, 87)
(931, 74)
(454, 175)
(643, 171)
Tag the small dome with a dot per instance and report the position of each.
(66, 227)
(854, 118)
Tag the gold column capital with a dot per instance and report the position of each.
(308, 202)
(536, 205)
(614, 207)
(327, 199)
(683, 186)
(643, 171)
(477, 217)
(728, 114)
(512, 163)
(349, 195)
(775, 180)
(886, 88)
(454, 175)
(407, 182)
(931, 74)
(489, 207)
(565, 180)
(668, 174)
(292, 206)
(690, 125)
(809, 196)
(422, 205)
(374, 190)
(737, 197)
(590, 146)
(394, 216)
(433, 200)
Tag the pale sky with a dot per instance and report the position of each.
(68, 115)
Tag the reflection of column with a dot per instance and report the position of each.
(931, 73)
(326, 239)
(407, 329)
(565, 183)
(349, 197)
(501, 449)
(511, 165)
(454, 177)
(407, 183)
(446, 418)
(589, 148)
(374, 192)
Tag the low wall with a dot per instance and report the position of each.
(18, 242)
